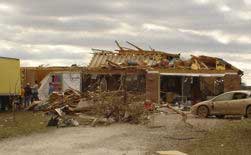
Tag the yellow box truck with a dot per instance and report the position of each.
(10, 80)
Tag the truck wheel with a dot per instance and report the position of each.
(202, 111)
(248, 112)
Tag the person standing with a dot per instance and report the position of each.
(22, 98)
(27, 95)
(51, 88)
(35, 91)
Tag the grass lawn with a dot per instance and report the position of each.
(234, 138)
(24, 124)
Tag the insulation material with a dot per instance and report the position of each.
(43, 90)
(69, 80)
(57, 81)
(220, 66)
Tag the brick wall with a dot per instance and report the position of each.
(152, 87)
(232, 82)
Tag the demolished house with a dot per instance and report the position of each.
(61, 82)
(161, 76)
(124, 85)
(32, 74)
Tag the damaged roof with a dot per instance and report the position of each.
(151, 59)
(101, 59)
(123, 55)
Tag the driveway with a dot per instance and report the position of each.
(117, 139)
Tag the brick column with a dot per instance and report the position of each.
(232, 82)
(153, 87)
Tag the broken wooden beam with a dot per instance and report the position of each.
(135, 46)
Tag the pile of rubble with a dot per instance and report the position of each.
(69, 98)
(117, 106)
(108, 106)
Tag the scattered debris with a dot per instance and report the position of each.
(184, 116)
(137, 57)
(170, 153)
(33, 105)
(178, 138)
(53, 121)
(110, 105)
(105, 107)
(69, 122)
(70, 98)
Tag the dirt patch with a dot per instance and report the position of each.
(232, 138)
(23, 124)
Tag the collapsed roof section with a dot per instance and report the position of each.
(126, 57)
(138, 58)
(213, 63)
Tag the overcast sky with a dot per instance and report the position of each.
(62, 32)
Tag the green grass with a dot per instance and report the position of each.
(24, 124)
(234, 138)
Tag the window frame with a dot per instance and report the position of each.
(228, 93)
(246, 96)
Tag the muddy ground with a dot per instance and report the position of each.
(165, 132)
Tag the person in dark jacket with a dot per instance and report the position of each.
(27, 95)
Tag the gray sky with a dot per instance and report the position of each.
(62, 32)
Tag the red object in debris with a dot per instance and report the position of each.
(149, 105)
(164, 63)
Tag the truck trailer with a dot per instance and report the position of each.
(10, 81)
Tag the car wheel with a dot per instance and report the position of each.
(220, 116)
(248, 112)
(202, 111)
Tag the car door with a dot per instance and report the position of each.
(237, 105)
(221, 103)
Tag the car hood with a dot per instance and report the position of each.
(203, 103)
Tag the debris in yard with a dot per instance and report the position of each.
(60, 112)
(105, 106)
(156, 126)
(68, 122)
(103, 121)
(149, 105)
(184, 115)
(180, 138)
(33, 105)
(53, 121)
(70, 98)
(170, 153)
(62, 122)
(94, 122)
(110, 105)
(83, 105)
